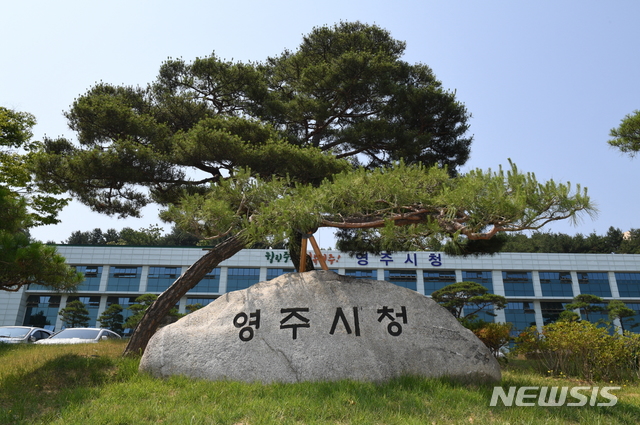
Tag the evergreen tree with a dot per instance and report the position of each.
(24, 261)
(75, 314)
(586, 303)
(626, 137)
(468, 297)
(112, 319)
(143, 302)
(273, 137)
(619, 310)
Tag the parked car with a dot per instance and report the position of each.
(20, 334)
(80, 336)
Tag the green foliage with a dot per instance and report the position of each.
(586, 303)
(75, 314)
(23, 261)
(16, 156)
(470, 297)
(582, 350)
(193, 307)
(418, 204)
(495, 336)
(151, 236)
(626, 137)
(112, 318)
(142, 304)
(614, 241)
(568, 316)
(619, 310)
(631, 242)
(343, 92)
(346, 89)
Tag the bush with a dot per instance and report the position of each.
(495, 336)
(582, 350)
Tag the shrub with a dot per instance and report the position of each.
(582, 350)
(495, 336)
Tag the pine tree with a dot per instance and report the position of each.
(75, 314)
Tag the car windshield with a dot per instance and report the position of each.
(78, 333)
(13, 332)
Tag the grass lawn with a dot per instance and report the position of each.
(92, 384)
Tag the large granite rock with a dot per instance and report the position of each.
(319, 326)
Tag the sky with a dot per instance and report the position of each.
(544, 81)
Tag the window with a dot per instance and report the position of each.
(194, 303)
(90, 271)
(91, 303)
(483, 278)
(628, 284)
(210, 283)
(125, 303)
(521, 314)
(434, 280)
(273, 273)
(241, 278)
(404, 278)
(517, 284)
(362, 274)
(160, 278)
(556, 284)
(42, 311)
(124, 278)
(632, 323)
(551, 311)
(594, 284)
(201, 301)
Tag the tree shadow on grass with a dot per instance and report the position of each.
(34, 395)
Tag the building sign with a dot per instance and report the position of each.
(434, 259)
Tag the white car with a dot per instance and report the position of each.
(80, 336)
(21, 334)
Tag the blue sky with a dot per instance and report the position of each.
(544, 81)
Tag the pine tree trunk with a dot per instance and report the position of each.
(169, 298)
(295, 251)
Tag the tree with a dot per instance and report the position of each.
(468, 297)
(619, 310)
(193, 307)
(626, 137)
(151, 236)
(143, 302)
(630, 242)
(346, 90)
(612, 242)
(272, 137)
(22, 260)
(586, 303)
(93, 237)
(568, 316)
(495, 336)
(75, 314)
(16, 153)
(112, 319)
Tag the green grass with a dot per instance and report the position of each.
(92, 384)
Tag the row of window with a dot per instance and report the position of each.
(516, 283)
(42, 311)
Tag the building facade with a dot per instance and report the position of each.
(537, 286)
